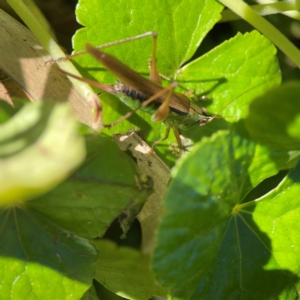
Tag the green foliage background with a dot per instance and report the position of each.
(229, 229)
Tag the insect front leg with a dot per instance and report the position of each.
(177, 136)
(154, 75)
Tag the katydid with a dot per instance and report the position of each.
(176, 109)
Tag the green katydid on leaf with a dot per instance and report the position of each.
(220, 75)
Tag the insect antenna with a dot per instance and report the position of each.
(107, 45)
(217, 116)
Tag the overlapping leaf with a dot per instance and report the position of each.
(181, 26)
(233, 73)
(42, 244)
(126, 272)
(97, 193)
(35, 252)
(41, 260)
(229, 75)
(274, 117)
(29, 163)
(223, 247)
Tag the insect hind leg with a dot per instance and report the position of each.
(177, 136)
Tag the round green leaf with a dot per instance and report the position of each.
(176, 44)
(126, 272)
(40, 260)
(181, 27)
(89, 201)
(233, 73)
(229, 81)
(208, 247)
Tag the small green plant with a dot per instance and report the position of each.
(229, 228)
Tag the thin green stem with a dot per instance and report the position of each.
(287, 8)
(266, 28)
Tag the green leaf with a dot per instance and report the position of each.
(41, 245)
(176, 44)
(149, 131)
(126, 272)
(97, 193)
(30, 164)
(115, 109)
(208, 244)
(181, 27)
(233, 73)
(229, 81)
(7, 110)
(90, 294)
(274, 118)
(40, 260)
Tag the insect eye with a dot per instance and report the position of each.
(203, 121)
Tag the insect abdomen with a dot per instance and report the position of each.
(133, 94)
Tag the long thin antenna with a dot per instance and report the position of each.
(107, 45)
(230, 102)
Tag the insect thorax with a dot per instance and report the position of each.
(196, 116)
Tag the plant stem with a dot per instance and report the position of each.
(266, 28)
(287, 8)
